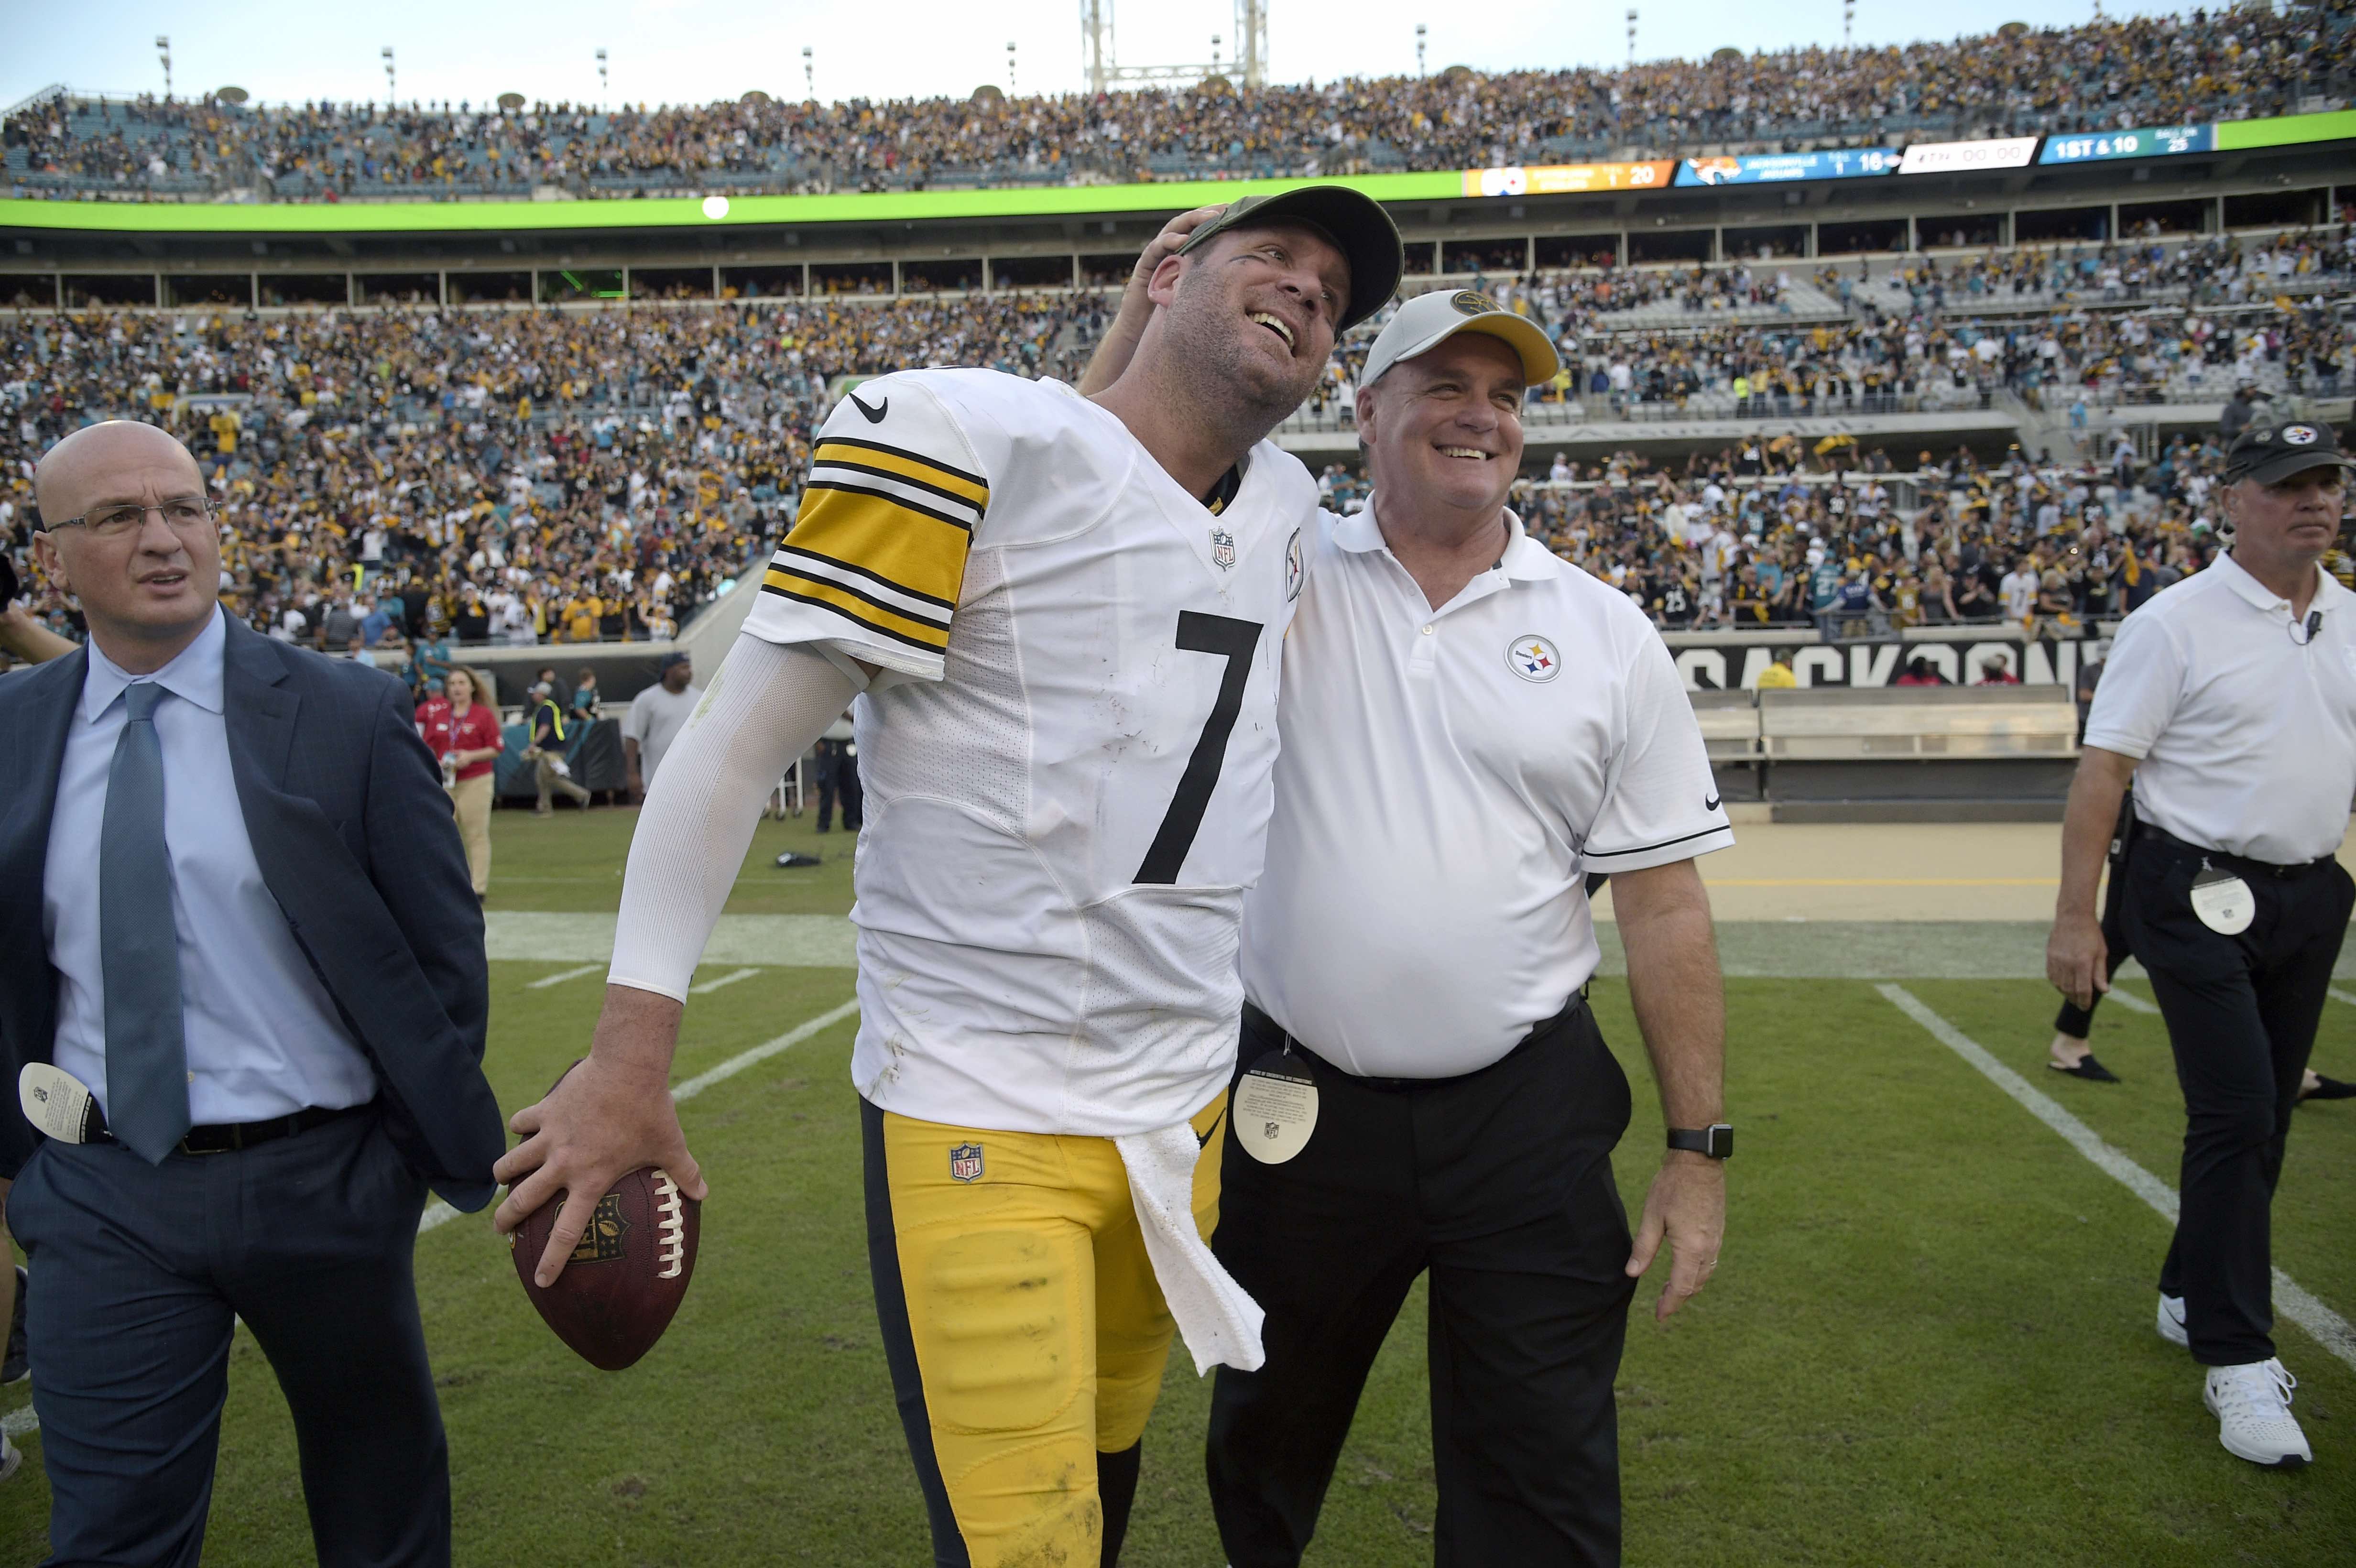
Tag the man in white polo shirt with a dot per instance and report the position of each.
(1470, 726)
(2229, 701)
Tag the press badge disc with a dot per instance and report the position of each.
(56, 1102)
(2223, 901)
(1275, 1109)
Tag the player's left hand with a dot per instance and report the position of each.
(1687, 1205)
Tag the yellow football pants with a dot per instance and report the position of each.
(1023, 1324)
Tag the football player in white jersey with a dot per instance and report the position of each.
(1062, 617)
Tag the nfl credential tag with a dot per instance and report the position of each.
(56, 1102)
(1275, 1109)
(2223, 901)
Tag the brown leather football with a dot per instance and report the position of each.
(626, 1276)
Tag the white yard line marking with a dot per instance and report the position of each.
(2328, 1328)
(762, 1052)
(2132, 1002)
(16, 1423)
(711, 986)
(2340, 996)
(546, 981)
(438, 1213)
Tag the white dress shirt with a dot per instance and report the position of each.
(1447, 779)
(2247, 730)
(262, 1033)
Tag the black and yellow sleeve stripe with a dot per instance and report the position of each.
(882, 540)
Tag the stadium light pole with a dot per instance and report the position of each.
(601, 78)
(1848, 24)
(1418, 48)
(1010, 67)
(163, 52)
(809, 74)
(1215, 42)
(1632, 35)
(387, 53)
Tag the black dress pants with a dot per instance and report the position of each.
(838, 777)
(2242, 1013)
(136, 1270)
(1499, 1183)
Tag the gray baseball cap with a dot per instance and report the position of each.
(1427, 321)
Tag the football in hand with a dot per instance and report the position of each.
(626, 1276)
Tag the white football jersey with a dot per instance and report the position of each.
(1067, 760)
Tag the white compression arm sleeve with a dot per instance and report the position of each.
(766, 706)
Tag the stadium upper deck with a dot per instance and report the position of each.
(2107, 76)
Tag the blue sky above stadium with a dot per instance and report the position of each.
(697, 51)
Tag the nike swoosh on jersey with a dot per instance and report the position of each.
(880, 540)
(1711, 804)
(874, 415)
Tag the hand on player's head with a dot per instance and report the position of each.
(1166, 244)
(1255, 311)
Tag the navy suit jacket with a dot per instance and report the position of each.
(355, 842)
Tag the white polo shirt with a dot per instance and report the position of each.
(1447, 779)
(2247, 737)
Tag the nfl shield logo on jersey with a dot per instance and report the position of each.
(1294, 571)
(1223, 549)
(1533, 659)
(965, 1162)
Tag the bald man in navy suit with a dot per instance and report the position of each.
(233, 905)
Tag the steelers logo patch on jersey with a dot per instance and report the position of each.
(1533, 659)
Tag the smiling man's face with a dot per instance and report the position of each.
(1445, 427)
(153, 584)
(1259, 307)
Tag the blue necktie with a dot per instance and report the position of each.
(146, 1052)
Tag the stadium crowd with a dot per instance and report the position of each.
(2108, 73)
(1781, 532)
(383, 479)
(2221, 269)
(1919, 344)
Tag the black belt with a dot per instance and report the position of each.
(2241, 865)
(1258, 1023)
(228, 1137)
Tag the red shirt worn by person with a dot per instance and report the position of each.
(446, 731)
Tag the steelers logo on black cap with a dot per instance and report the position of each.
(2299, 435)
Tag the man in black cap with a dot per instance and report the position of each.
(1063, 620)
(2229, 701)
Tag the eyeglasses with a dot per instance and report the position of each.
(181, 513)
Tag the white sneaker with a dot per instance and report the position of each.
(2171, 1322)
(2252, 1403)
(11, 1456)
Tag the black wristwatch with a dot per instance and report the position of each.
(1717, 1140)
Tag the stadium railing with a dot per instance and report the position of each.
(1987, 750)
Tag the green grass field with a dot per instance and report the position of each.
(1930, 1342)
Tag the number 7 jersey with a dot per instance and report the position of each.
(1066, 757)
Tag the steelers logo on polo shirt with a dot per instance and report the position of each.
(1533, 659)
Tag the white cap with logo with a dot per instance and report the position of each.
(1427, 321)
